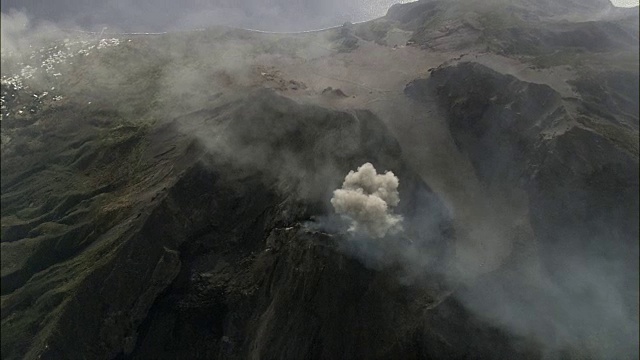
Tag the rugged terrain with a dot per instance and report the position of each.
(167, 196)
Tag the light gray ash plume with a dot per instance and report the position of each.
(367, 199)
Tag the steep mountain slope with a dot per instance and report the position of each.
(168, 196)
(221, 232)
(580, 175)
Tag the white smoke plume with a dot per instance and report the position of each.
(366, 199)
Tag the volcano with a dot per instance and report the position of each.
(169, 195)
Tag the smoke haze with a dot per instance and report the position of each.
(162, 15)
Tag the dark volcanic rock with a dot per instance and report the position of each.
(532, 28)
(581, 177)
(522, 133)
(502, 129)
(495, 118)
(610, 95)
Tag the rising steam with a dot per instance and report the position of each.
(366, 199)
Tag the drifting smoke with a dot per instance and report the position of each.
(366, 199)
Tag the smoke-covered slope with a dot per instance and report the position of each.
(170, 196)
(188, 239)
(580, 175)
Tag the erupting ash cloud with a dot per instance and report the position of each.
(366, 199)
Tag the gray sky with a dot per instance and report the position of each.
(166, 15)
(162, 15)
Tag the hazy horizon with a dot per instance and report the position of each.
(161, 15)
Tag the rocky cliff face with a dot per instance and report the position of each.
(168, 196)
(574, 165)
(577, 163)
